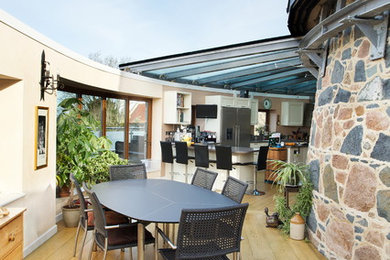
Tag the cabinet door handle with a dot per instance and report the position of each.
(11, 237)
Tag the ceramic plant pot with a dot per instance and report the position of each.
(71, 216)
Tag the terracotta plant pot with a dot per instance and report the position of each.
(64, 191)
(71, 216)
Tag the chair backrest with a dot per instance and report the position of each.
(99, 217)
(205, 233)
(262, 158)
(234, 189)
(224, 157)
(181, 152)
(83, 203)
(204, 178)
(201, 155)
(124, 172)
(166, 152)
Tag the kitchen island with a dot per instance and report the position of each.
(242, 172)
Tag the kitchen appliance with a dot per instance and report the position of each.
(206, 111)
(235, 126)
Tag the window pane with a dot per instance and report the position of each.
(93, 105)
(115, 124)
(138, 120)
(261, 123)
(61, 95)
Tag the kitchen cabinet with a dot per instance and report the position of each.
(11, 234)
(177, 108)
(226, 101)
(292, 113)
(254, 111)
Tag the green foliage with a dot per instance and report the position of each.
(98, 166)
(302, 205)
(77, 145)
(289, 173)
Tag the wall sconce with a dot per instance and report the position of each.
(48, 83)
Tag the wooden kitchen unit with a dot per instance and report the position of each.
(11, 235)
(274, 153)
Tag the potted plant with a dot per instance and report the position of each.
(288, 173)
(292, 174)
(79, 151)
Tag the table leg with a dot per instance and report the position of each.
(141, 240)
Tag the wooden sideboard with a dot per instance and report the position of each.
(274, 153)
(11, 235)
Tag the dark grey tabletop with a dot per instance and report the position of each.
(156, 200)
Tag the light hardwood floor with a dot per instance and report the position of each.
(259, 242)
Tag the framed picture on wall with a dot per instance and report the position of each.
(41, 137)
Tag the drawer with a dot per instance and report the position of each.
(16, 254)
(11, 236)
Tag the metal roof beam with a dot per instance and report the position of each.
(271, 77)
(230, 64)
(214, 55)
(244, 72)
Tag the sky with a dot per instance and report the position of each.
(131, 30)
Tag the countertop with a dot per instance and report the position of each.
(235, 149)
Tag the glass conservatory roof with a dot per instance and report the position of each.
(264, 66)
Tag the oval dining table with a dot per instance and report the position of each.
(156, 200)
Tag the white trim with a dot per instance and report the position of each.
(59, 217)
(40, 240)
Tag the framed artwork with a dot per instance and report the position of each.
(41, 137)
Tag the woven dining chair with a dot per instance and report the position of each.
(234, 189)
(206, 233)
(111, 237)
(124, 172)
(204, 178)
(86, 217)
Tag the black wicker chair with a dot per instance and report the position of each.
(206, 233)
(204, 178)
(111, 237)
(124, 172)
(86, 217)
(234, 189)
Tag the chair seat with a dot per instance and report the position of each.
(112, 218)
(169, 254)
(124, 237)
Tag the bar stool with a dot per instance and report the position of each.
(261, 165)
(182, 157)
(167, 154)
(224, 158)
(202, 156)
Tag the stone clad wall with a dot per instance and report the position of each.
(349, 152)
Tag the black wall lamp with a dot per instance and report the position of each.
(48, 83)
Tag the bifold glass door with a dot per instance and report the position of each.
(138, 130)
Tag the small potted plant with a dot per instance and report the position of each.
(288, 174)
(296, 175)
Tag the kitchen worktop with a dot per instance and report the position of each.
(235, 149)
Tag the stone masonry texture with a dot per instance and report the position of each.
(349, 152)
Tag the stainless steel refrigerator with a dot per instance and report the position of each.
(235, 126)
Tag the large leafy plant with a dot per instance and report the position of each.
(78, 148)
